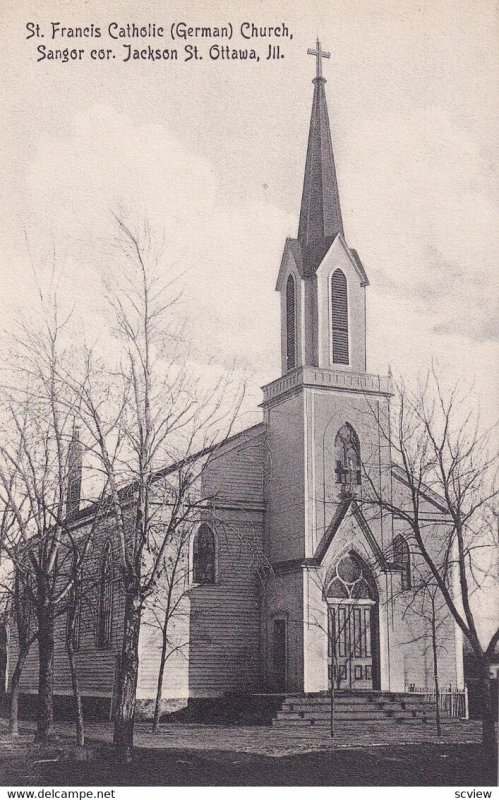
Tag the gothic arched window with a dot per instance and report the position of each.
(339, 317)
(104, 620)
(402, 559)
(203, 556)
(25, 595)
(351, 580)
(73, 620)
(290, 324)
(347, 456)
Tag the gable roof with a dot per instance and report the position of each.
(345, 505)
(80, 516)
(425, 491)
(293, 249)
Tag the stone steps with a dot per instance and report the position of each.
(347, 717)
(382, 708)
(360, 710)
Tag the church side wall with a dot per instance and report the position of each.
(285, 515)
(224, 641)
(412, 619)
(176, 672)
(95, 665)
(283, 600)
(236, 473)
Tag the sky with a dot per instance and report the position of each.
(212, 154)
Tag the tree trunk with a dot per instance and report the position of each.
(485, 700)
(159, 690)
(435, 673)
(127, 676)
(45, 674)
(14, 693)
(79, 723)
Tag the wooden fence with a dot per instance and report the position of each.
(454, 702)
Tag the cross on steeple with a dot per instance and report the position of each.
(319, 54)
(320, 213)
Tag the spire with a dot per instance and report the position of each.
(320, 214)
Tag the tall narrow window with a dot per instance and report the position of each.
(104, 621)
(290, 324)
(24, 596)
(339, 317)
(203, 556)
(73, 620)
(347, 455)
(402, 559)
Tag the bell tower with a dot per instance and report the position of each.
(319, 413)
(322, 442)
(321, 280)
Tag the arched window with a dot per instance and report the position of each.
(347, 456)
(73, 619)
(351, 580)
(104, 620)
(339, 317)
(25, 595)
(203, 556)
(402, 559)
(351, 594)
(290, 324)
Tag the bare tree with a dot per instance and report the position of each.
(426, 610)
(146, 411)
(166, 607)
(79, 543)
(17, 603)
(444, 461)
(38, 411)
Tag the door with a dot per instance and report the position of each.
(279, 655)
(350, 644)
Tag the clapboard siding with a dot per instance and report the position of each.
(225, 617)
(95, 665)
(221, 623)
(285, 517)
(235, 473)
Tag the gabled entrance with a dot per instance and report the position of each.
(353, 639)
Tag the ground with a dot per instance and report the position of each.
(205, 755)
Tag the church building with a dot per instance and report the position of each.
(294, 577)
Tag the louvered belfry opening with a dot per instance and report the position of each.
(339, 315)
(290, 324)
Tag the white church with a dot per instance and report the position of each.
(326, 598)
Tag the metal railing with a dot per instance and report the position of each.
(453, 702)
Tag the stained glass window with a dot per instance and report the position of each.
(402, 558)
(203, 567)
(104, 621)
(347, 456)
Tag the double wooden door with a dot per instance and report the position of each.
(350, 639)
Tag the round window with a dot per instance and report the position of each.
(349, 569)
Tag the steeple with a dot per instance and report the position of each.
(320, 214)
(321, 279)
